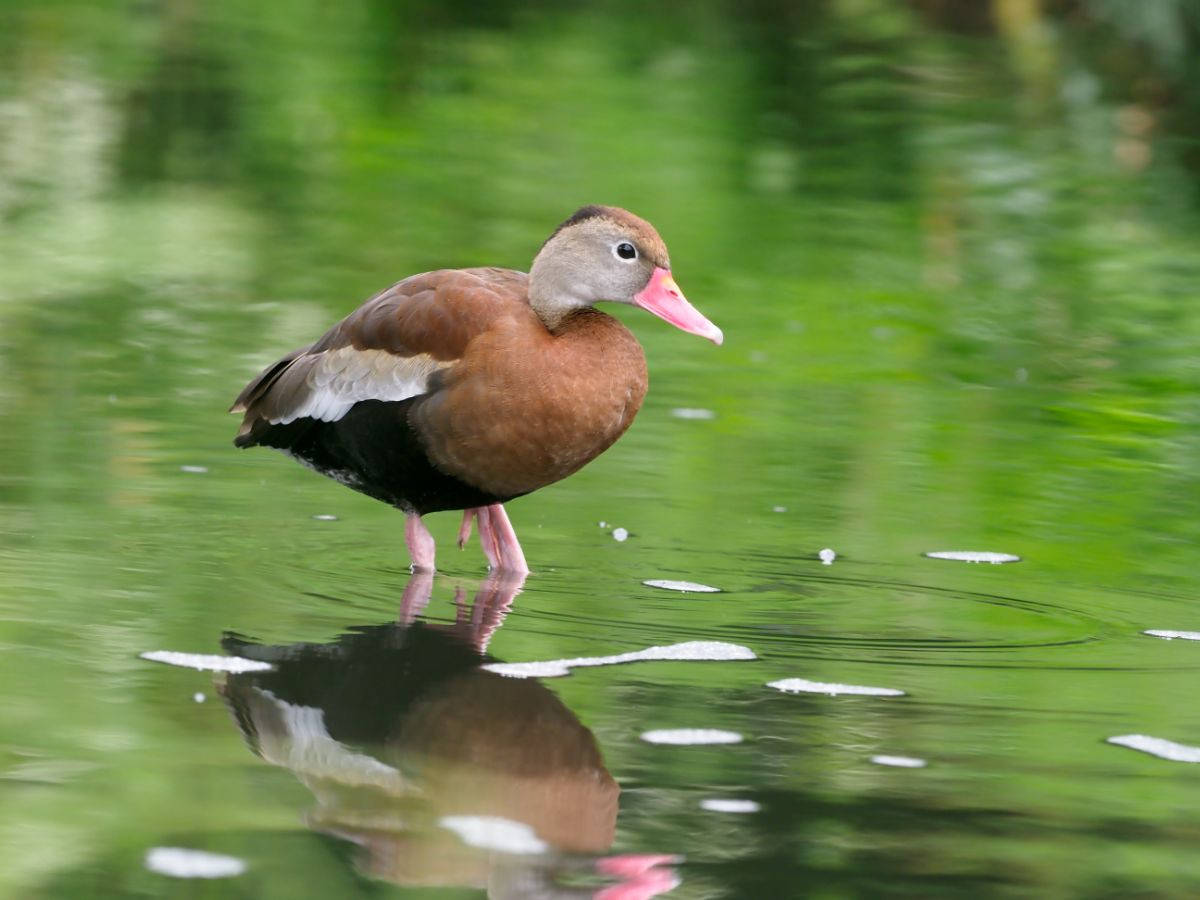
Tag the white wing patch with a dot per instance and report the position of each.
(345, 376)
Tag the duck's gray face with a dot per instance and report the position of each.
(605, 253)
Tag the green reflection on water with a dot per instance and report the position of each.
(954, 257)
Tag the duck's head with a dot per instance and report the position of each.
(608, 253)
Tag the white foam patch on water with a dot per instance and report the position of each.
(206, 662)
(495, 833)
(974, 556)
(691, 736)
(693, 587)
(729, 805)
(689, 651)
(1159, 747)
(682, 412)
(900, 762)
(1172, 635)
(804, 686)
(179, 862)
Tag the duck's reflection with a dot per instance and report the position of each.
(442, 772)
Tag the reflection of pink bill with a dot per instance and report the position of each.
(642, 874)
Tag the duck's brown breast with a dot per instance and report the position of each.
(526, 407)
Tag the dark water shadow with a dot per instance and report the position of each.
(442, 773)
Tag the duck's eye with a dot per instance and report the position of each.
(625, 250)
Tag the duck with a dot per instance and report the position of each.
(463, 389)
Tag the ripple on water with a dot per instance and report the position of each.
(974, 556)
(804, 686)
(693, 587)
(1022, 632)
(689, 651)
(1157, 746)
(180, 862)
(206, 662)
(691, 736)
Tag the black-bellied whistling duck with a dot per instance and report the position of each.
(464, 388)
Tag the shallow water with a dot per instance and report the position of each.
(955, 264)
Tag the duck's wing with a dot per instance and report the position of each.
(387, 349)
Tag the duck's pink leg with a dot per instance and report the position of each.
(488, 539)
(497, 537)
(420, 543)
(512, 558)
(464, 530)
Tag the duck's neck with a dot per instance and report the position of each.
(557, 317)
(557, 290)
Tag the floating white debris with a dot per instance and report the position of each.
(900, 762)
(620, 534)
(495, 833)
(199, 697)
(687, 651)
(682, 412)
(325, 517)
(804, 686)
(179, 862)
(1171, 635)
(729, 805)
(194, 470)
(693, 587)
(1159, 747)
(206, 662)
(974, 556)
(691, 736)
(827, 556)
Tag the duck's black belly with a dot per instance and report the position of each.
(374, 450)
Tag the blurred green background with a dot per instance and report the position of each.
(954, 249)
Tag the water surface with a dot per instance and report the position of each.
(954, 257)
